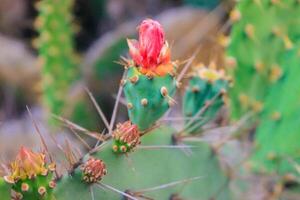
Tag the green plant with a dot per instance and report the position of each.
(264, 49)
(63, 93)
(56, 52)
(131, 162)
(204, 96)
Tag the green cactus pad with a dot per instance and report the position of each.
(198, 93)
(33, 187)
(146, 168)
(148, 90)
(4, 189)
(265, 44)
(277, 138)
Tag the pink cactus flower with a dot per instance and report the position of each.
(151, 53)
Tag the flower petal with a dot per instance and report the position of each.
(134, 51)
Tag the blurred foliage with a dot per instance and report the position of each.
(265, 49)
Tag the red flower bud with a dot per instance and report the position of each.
(151, 51)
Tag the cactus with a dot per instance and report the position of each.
(149, 84)
(59, 62)
(263, 54)
(205, 94)
(136, 173)
(131, 162)
(30, 177)
(56, 53)
(147, 168)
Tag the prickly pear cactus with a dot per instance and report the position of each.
(30, 177)
(205, 93)
(157, 163)
(147, 98)
(264, 58)
(149, 84)
(157, 169)
(131, 162)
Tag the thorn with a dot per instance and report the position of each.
(151, 147)
(99, 110)
(45, 147)
(171, 184)
(104, 186)
(80, 138)
(187, 65)
(114, 114)
(92, 192)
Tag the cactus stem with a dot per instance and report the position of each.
(144, 102)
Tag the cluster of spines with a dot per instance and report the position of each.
(93, 170)
(126, 137)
